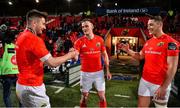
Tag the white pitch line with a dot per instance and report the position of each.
(118, 95)
(75, 84)
(59, 89)
(76, 107)
(93, 92)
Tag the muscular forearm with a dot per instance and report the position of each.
(56, 61)
(107, 68)
(106, 61)
(134, 54)
(168, 80)
(172, 68)
(107, 64)
(63, 59)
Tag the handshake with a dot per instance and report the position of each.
(123, 46)
(74, 54)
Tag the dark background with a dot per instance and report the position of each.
(56, 7)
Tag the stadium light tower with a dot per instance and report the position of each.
(37, 1)
(69, 1)
(10, 2)
(69, 4)
(116, 4)
(98, 5)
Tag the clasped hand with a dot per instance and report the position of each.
(74, 54)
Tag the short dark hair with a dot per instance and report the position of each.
(156, 18)
(35, 13)
(86, 19)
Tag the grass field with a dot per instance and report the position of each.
(70, 96)
(119, 93)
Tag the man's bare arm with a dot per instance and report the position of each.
(56, 61)
(136, 55)
(172, 62)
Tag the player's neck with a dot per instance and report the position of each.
(90, 36)
(31, 29)
(159, 34)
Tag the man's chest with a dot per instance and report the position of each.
(157, 47)
(90, 46)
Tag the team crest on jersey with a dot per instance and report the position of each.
(160, 44)
(98, 44)
(172, 46)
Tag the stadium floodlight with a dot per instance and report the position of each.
(10, 2)
(115, 4)
(69, 0)
(98, 5)
(37, 1)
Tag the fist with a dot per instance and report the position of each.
(74, 54)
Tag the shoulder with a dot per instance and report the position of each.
(149, 41)
(98, 37)
(171, 43)
(170, 39)
(28, 38)
(26, 35)
(80, 39)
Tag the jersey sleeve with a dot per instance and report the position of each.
(77, 45)
(103, 47)
(173, 48)
(143, 49)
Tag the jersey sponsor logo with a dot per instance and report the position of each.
(150, 48)
(13, 60)
(98, 44)
(153, 52)
(172, 46)
(92, 52)
(160, 44)
(91, 49)
(84, 46)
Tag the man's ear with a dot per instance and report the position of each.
(33, 22)
(92, 26)
(160, 23)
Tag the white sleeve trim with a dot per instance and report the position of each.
(46, 57)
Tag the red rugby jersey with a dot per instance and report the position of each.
(90, 53)
(156, 51)
(29, 50)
